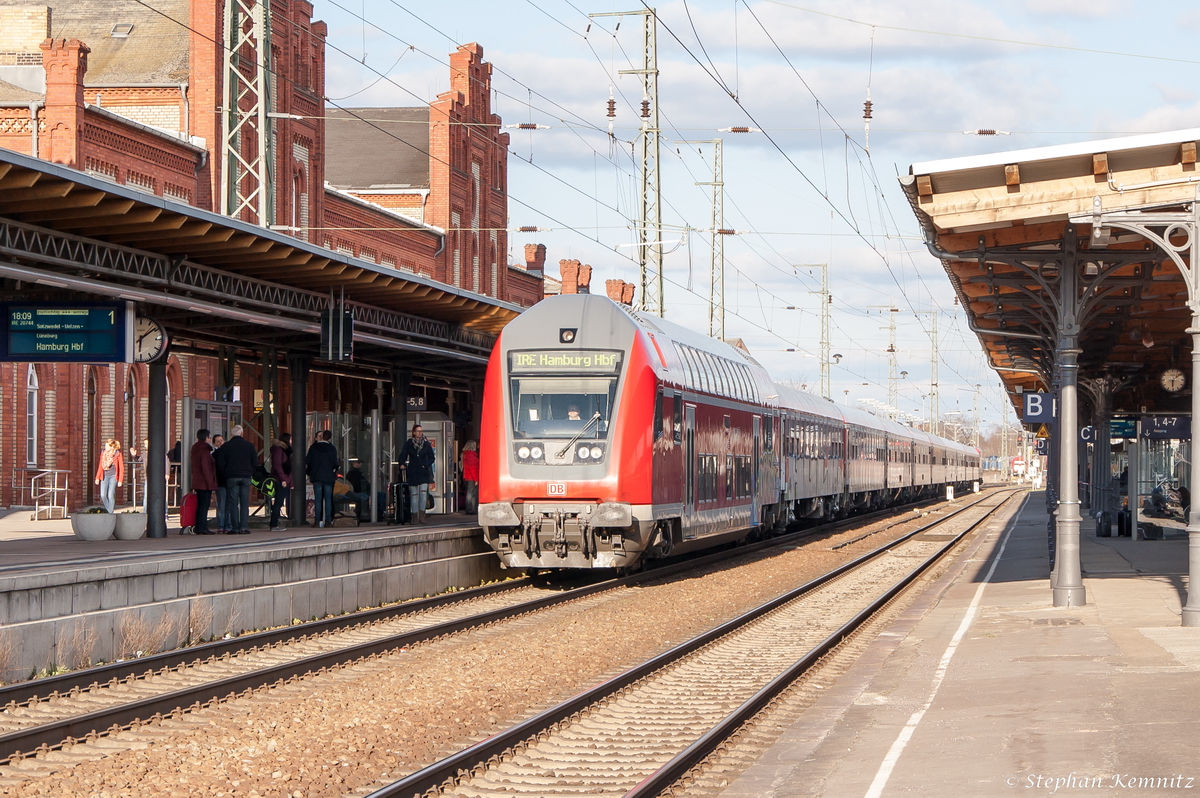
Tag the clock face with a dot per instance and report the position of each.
(149, 340)
(1173, 380)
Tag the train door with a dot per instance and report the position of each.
(755, 501)
(689, 469)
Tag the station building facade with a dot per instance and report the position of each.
(131, 95)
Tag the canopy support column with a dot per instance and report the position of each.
(298, 368)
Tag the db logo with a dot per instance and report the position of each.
(556, 489)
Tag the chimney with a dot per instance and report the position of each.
(535, 258)
(619, 291)
(65, 62)
(569, 269)
(585, 279)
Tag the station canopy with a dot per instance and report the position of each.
(1003, 224)
(222, 279)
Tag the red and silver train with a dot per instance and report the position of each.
(609, 436)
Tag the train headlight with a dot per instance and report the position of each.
(597, 452)
(536, 452)
(583, 453)
(523, 452)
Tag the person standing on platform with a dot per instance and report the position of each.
(322, 464)
(236, 460)
(110, 474)
(281, 469)
(470, 472)
(218, 441)
(204, 479)
(417, 459)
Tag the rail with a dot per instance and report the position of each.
(471, 760)
(52, 733)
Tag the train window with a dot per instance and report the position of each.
(722, 376)
(560, 407)
(677, 418)
(689, 367)
(727, 425)
(728, 476)
(658, 415)
(732, 390)
(768, 433)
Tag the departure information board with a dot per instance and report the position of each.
(85, 332)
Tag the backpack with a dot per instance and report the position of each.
(267, 485)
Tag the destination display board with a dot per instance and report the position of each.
(565, 361)
(83, 332)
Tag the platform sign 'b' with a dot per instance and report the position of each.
(1039, 408)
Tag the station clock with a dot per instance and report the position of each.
(149, 340)
(1173, 380)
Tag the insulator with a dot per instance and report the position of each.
(739, 129)
(527, 126)
(528, 229)
(985, 131)
(645, 109)
(726, 231)
(612, 108)
(867, 109)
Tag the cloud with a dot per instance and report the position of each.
(1080, 9)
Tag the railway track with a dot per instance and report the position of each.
(639, 732)
(43, 715)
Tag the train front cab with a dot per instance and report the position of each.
(566, 434)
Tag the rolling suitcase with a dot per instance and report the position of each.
(187, 515)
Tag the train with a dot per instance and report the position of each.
(610, 437)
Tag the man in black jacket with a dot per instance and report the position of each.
(235, 464)
(417, 458)
(322, 463)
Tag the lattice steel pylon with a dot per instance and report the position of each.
(649, 243)
(935, 410)
(826, 303)
(716, 267)
(247, 147)
(893, 363)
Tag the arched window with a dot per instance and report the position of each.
(31, 416)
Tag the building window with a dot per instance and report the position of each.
(31, 416)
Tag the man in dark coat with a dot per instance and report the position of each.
(281, 469)
(417, 459)
(204, 479)
(322, 464)
(236, 460)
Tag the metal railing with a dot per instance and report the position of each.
(45, 489)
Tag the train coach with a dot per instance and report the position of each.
(611, 436)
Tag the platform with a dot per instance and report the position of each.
(64, 600)
(1032, 699)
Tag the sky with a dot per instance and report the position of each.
(808, 186)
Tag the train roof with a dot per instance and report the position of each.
(681, 334)
(594, 307)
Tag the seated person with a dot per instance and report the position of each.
(361, 491)
(343, 495)
(573, 413)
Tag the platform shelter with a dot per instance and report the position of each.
(1077, 269)
(238, 295)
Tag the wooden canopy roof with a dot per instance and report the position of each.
(1001, 224)
(68, 201)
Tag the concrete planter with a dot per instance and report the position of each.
(130, 526)
(93, 526)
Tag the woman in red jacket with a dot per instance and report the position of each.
(470, 472)
(110, 474)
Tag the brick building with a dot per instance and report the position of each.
(129, 95)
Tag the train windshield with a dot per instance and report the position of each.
(559, 407)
